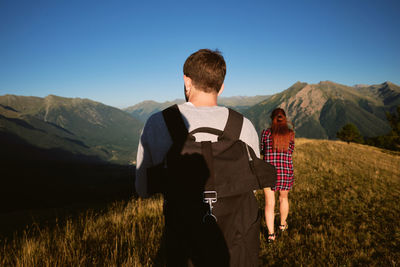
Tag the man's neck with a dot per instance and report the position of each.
(203, 99)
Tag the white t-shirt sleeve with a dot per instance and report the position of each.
(154, 143)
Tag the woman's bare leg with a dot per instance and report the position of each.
(284, 205)
(269, 209)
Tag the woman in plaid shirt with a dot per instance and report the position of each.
(277, 145)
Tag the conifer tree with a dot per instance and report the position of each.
(350, 133)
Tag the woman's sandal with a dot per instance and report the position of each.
(283, 227)
(271, 238)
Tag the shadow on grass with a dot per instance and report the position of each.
(42, 185)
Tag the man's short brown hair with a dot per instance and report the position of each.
(207, 70)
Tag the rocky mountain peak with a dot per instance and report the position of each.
(307, 102)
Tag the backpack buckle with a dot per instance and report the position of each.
(210, 197)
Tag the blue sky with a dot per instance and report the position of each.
(123, 52)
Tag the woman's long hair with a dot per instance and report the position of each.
(280, 132)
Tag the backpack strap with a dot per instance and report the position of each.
(233, 126)
(175, 124)
(207, 130)
(206, 151)
(178, 131)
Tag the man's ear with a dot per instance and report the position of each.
(220, 90)
(188, 83)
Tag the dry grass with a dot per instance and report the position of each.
(114, 238)
(344, 212)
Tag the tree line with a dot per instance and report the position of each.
(391, 140)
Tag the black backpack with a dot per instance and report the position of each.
(211, 213)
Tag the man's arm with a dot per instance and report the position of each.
(249, 136)
(154, 144)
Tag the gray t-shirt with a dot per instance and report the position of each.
(155, 140)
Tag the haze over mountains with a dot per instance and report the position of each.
(97, 131)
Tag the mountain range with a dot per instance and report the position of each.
(93, 131)
(320, 110)
(316, 110)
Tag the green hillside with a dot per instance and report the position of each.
(73, 124)
(343, 212)
(29, 130)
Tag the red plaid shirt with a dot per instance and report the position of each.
(281, 160)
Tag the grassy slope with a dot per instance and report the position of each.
(344, 211)
(343, 207)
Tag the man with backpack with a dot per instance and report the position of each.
(200, 156)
